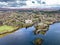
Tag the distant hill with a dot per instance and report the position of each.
(54, 9)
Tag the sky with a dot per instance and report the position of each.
(27, 3)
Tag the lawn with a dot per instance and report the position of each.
(6, 28)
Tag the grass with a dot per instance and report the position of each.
(6, 28)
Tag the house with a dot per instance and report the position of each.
(28, 21)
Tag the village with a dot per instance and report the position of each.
(39, 20)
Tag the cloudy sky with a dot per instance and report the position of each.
(27, 3)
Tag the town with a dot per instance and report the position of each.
(16, 19)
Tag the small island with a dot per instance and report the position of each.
(38, 41)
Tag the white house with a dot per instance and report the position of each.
(28, 21)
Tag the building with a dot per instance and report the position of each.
(28, 21)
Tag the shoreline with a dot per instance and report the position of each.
(27, 27)
(37, 31)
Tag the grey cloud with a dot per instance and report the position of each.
(12, 3)
(10, 0)
(6, 0)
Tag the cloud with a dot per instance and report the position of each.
(27, 3)
(3, 4)
(6, 0)
(15, 3)
(52, 2)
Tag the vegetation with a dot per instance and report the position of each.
(38, 41)
(9, 20)
(5, 28)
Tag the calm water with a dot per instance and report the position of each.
(25, 36)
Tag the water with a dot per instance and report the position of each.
(26, 36)
(52, 37)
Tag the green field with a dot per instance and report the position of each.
(6, 28)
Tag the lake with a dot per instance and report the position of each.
(26, 36)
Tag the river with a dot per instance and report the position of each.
(26, 36)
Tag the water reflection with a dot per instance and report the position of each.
(21, 37)
(26, 36)
(52, 37)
